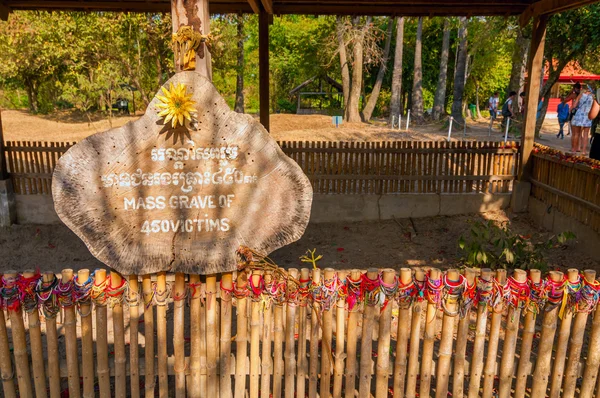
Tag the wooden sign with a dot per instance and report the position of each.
(183, 187)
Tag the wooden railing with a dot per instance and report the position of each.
(570, 185)
(338, 167)
(276, 332)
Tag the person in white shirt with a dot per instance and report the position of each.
(493, 105)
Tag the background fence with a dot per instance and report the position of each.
(296, 334)
(569, 184)
(338, 167)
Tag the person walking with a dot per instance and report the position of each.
(507, 108)
(493, 106)
(563, 116)
(581, 123)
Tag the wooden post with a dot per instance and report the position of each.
(70, 323)
(562, 342)
(212, 341)
(302, 363)
(267, 362)
(226, 309)
(116, 282)
(383, 341)
(313, 375)
(149, 377)
(428, 340)
(194, 13)
(590, 372)
(263, 67)
(510, 341)
(255, 338)
(445, 350)
(290, 358)
(87, 339)
(102, 334)
(462, 336)
(340, 319)
(3, 169)
(179, 297)
(494, 338)
(576, 344)
(479, 344)
(326, 342)
(6, 368)
(134, 321)
(241, 337)
(524, 367)
(544, 359)
(415, 337)
(532, 92)
(402, 337)
(161, 333)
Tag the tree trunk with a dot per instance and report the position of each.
(460, 72)
(343, 61)
(477, 100)
(417, 89)
(396, 100)
(352, 111)
(31, 95)
(239, 84)
(519, 62)
(370, 107)
(440, 92)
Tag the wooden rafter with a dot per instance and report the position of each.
(255, 5)
(4, 11)
(549, 7)
(268, 6)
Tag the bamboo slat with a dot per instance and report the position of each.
(340, 330)
(402, 336)
(116, 282)
(479, 343)
(161, 333)
(87, 340)
(212, 341)
(429, 339)
(35, 341)
(493, 342)
(148, 294)
(278, 338)
(179, 296)
(134, 350)
(326, 341)
(352, 339)
(266, 339)
(415, 336)
(102, 367)
(255, 338)
(313, 371)
(590, 372)
(462, 337)
(70, 325)
(366, 344)
(384, 338)
(302, 360)
(290, 358)
(226, 311)
(445, 348)
(6, 368)
(241, 337)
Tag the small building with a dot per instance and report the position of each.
(317, 98)
(571, 74)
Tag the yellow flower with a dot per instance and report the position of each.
(176, 105)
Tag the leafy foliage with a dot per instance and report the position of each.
(493, 246)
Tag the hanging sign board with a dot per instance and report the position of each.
(183, 187)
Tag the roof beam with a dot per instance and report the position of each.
(255, 5)
(549, 7)
(4, 11)
(268, 5)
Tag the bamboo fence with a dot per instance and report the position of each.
(265, 331)
(337, 167)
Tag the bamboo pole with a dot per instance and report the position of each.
(178, 334)
(116, 282)
(102, 334)
(402, 338)
(415, 336)
(576, 344)
(48, 280)
(212, 341)
(149, 377)
(562, 342)
(70, 324)
(193, 389)
(255, 337)
(267, 362)
(202, 346)
(6, 368)
(19, 342)
(241, 336)
(384, 338)
(590, 372)
(524, 367)
(510, 341)
(462, 337)
(313, 372)
(290, 358)
(494, 338)
(340, 318)
(445, 349)
(479, 343)
(544, 359)
(278, 337)
(428, 340)
(302, 361)
(366, 344)
(35, 341)
(353, 325)
(161, 333)
(134, 320)
(326, 342)
(87, 340)
(226, 309)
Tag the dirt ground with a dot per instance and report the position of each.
(391, 243)
(67, 126)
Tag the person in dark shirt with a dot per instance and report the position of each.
(563, 116)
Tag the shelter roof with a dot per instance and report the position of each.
(572, 72)
(316, 7)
